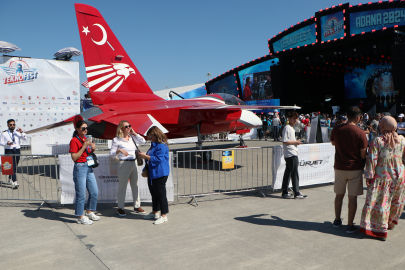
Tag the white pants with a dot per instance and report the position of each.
(128, 170)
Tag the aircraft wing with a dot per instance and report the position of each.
(141, 123)
(51, 126)
(242, 107)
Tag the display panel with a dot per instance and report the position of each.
(227, 85)
(374, 84)
(366, 21)
(332, 26)
(256, 84)
(303, 36)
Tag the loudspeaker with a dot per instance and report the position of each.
(398, 69)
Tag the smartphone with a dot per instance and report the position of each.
(89, 137)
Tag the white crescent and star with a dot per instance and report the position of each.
(103, 40)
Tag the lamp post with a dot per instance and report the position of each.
(208, 75)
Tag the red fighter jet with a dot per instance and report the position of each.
(119, 92)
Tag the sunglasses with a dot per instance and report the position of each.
(127, 126)
(84, 128)
(11, 124)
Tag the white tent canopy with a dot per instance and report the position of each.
(179, 90)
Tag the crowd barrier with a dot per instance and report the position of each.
(193, 174)
(208, 172)
(38, 179)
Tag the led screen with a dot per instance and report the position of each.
(332, 26)
(303, 36)
(227, 85)
(256, 81)
(374, 84)
(367, 21)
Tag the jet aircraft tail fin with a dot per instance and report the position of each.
(109, 69)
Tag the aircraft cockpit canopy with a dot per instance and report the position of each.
(231, 99)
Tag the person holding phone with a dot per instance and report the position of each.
(158, 168)
(123, 147)
(81, 148)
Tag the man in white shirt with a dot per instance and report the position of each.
(290, 145)
(10, 140)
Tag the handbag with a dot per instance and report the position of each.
(145, 172)
(96, 163)
(139, 160)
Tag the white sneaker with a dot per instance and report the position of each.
(92, 216)
(151, 216)
(160, 220)
(84, 220)
(15, 185)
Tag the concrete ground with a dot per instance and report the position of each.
(233, 231)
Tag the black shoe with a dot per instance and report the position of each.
(352, 229)
(300, 196)
(337, 223)
(286, 195)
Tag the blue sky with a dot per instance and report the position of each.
(172, 43)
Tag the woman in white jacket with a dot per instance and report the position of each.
(123, 147)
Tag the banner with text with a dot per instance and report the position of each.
(316, 163)
(107, 181)
(304, 36)
(38, 92)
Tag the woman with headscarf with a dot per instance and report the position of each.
(385, 181)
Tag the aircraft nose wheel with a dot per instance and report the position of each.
(206, 156)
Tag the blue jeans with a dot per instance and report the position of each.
(276, 130)
(83, 177)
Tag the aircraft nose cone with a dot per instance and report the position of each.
(250, 119)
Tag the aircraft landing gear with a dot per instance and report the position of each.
(205, 155)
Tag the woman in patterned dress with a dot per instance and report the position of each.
(385, 181)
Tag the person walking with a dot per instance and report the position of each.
(10, 140)
(350, 144)
(123, 147)
(81, 148)
(290, 144)
(276, 126)
(385, 181)
(158, 170)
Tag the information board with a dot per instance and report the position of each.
(38, 92)
(303, 36)
(366, 21)
(332, 26)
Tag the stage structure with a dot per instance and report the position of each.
(38, 92)
(344, 55)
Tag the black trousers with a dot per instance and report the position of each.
(157, 188)
(16, 159)
(291, 170)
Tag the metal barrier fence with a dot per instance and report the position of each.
(37, 177)
(200, 173)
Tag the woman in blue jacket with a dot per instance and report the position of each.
(157, 164)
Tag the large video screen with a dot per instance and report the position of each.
(374, 84)
(256, 81)
(227, 85)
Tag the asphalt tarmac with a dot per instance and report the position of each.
(231, 231)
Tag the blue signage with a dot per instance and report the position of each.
(304, 36)
(332, 26)
(367, 21)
